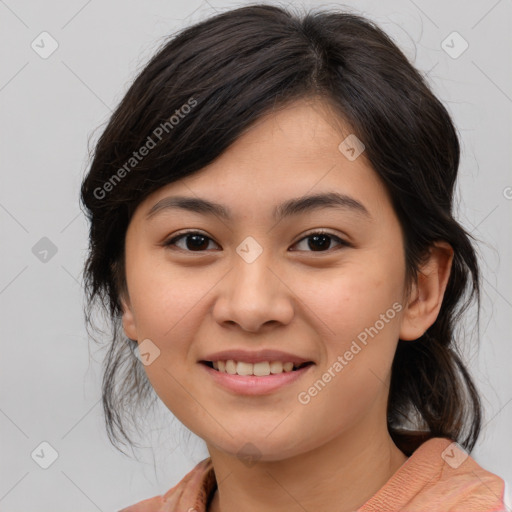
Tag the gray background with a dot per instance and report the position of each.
(50, 374)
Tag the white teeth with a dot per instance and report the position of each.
(259, 369)
(244, 368)
(230, 367)
(288, 367)
(276, 367)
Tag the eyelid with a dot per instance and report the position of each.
(318, 231)
(181, 234)
(321, 231)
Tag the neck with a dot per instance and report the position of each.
(340, 475)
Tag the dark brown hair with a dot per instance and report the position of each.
(197, 95)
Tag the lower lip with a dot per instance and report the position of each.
(252, 385)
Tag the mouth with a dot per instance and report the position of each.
(259, 369)
(258, 378)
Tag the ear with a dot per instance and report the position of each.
(129, 325)
(427, 292)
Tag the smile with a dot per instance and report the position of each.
(258, 378)
(260, 369)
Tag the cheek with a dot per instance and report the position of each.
(165, 303)
(357, 313)
(347, 300)
(358, 316)
(164, 296)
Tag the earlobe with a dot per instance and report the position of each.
(129, 326)
(427, 292)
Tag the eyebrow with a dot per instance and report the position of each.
(295, 206)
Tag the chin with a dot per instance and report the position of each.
(250, 449)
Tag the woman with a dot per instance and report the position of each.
(272, 229)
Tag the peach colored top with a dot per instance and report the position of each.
(438, 477)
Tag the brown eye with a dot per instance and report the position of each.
(321, 241)
(193, 241)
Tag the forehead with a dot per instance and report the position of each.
(288, 153)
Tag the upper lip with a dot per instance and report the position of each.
(255, 356)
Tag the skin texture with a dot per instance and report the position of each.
(335, 451)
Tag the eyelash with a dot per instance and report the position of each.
(169, 243)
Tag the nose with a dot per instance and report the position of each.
(254, 295)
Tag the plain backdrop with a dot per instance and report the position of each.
(52, 104)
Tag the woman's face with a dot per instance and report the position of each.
(255, 279)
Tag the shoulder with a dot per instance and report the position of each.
(190, 493)
(441, 476)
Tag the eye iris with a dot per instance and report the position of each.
(200, 242)
(322, 241)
